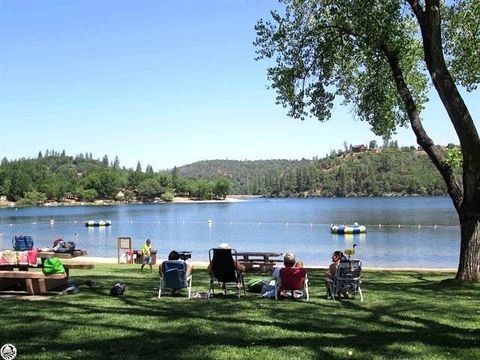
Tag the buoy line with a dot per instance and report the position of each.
(211, 222)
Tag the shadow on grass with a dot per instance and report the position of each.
(393, 322)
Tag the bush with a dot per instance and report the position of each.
(168, 196)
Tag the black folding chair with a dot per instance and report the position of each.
(223, 269)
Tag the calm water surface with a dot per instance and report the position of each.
(428, 235)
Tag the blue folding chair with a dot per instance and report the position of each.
(174, 277)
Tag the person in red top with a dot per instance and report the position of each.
(291, 276)
(288, 261)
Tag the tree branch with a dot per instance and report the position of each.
(417, 10)
(427, 144)
(454, 105)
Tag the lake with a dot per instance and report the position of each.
(401, 232)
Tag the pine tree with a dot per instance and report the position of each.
(116, 163)
(105, 160)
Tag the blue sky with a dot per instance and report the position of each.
(166, 83)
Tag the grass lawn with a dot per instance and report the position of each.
(409, 315)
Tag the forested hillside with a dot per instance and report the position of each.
(243, 174)
(373, 172)
(369, 172)
(58, 177)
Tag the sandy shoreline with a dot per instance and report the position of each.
(203, 264)
(230, 198)
(177, 200)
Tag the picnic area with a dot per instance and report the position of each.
(409, 314)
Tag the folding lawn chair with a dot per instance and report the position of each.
(223, 269)
(293, 280)
(347, 279)
(174, 276)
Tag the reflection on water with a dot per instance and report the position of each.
(400, 231)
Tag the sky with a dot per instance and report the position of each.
(166, 83)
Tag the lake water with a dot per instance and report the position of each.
(414, 231)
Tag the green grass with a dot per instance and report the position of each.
(405, 315)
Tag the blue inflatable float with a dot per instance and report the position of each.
(96, 223)
(348, 229)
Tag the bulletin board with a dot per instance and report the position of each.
(124, 243)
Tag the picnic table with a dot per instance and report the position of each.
(43, 255)
(67, 255)
(36, 282)
(256, 261)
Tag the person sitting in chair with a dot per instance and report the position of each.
(175, 274)
(174, 255)
(288, 261)
(239, 266)
(332, 269)
(290, 277)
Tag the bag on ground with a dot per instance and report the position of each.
(255, 285)
(118, 289)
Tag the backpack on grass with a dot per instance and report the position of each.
(118, 289)
(255, 285)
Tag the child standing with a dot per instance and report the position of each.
(147, 255)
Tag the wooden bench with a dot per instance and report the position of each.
(72, 265)
(78, 266)
(49, 254)
(34, 282)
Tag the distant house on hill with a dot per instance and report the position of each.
(359, 148)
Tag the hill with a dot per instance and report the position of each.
(243, 174)
(379, 172)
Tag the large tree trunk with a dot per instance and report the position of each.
(469, 265)
(468, 205)
(466, 202)
(467, 199)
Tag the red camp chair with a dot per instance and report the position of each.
(291, 279)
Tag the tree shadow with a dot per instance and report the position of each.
(394, 321)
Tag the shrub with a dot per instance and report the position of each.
(168, 196)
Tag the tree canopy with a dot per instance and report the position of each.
(380, 57)
(58, 177)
